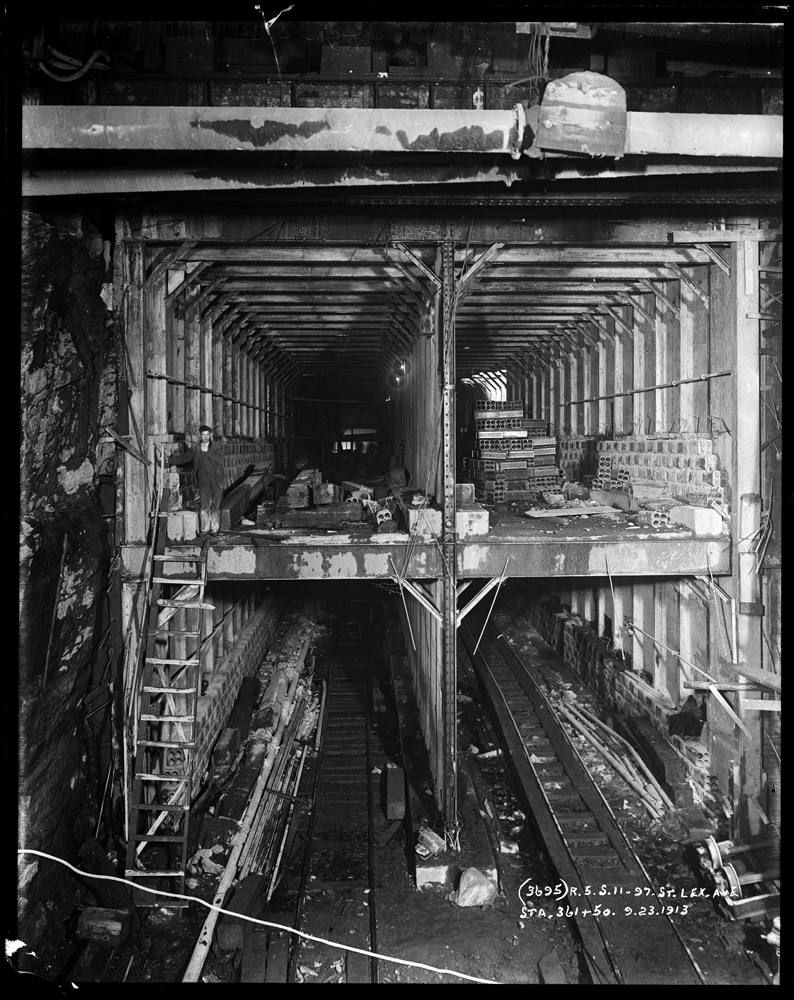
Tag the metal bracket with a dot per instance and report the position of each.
(417, 593)
(471, 274)
(493, 582)
(428, 273)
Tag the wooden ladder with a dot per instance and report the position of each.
(166, 732)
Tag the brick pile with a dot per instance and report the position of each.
(686, 463)
(514, 457)
(611, 677)
(238, 456)
(577, 457)
(242, 660)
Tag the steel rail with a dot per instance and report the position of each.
(507, 654)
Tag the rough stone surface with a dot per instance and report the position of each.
(68, 398)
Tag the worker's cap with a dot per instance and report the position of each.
(205, 428)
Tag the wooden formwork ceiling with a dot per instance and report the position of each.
(342, 316)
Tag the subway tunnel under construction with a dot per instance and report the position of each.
(401, 501)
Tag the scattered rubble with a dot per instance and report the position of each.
(474, 889)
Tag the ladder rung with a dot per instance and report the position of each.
(161, 743)
(180, 559)
(163, 603)
(134, 873)
(177, 663)
(172, 778)
(167, 718)
(174, 579)
(154, 807)
(157, 838)
(159, 690)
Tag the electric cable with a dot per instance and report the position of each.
(256, 920)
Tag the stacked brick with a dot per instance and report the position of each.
(240, 455)
(243, 660)
(685, 463)
(612, 679)
(514, 458)
(577, 457)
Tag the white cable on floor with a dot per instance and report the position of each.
(263, 923)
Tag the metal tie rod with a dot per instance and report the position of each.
(649, 388)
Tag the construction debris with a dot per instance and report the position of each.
(474, 889)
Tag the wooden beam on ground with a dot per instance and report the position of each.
(241, 499)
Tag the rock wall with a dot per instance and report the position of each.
(67, 398)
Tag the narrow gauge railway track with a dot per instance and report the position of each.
(627, 934)
(337, 896)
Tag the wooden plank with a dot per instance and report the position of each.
(361, 256)
(659, 294)
(192, 363)
(684, 277)
(105, 927)
(721, 264)
(572, 511)
(635, 303)
(249, 900)
(109, 894)
(168, 260)
(642, 365)
(278, 950)
(619, 320)
(190, 278)
(765, 678)
(660, 397)
(136, 486)
(240, 500)
(759, 705)
(254, 961)
(719, 697)
(725, 235)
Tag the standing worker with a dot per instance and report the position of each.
(209, 477)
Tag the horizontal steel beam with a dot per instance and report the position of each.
(259, 130)
(258, 558)
(373, 130)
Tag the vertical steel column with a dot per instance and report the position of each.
(448, 535)
(746, 484)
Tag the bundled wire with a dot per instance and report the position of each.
(61, 61)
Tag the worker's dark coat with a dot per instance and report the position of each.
(208, 469)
